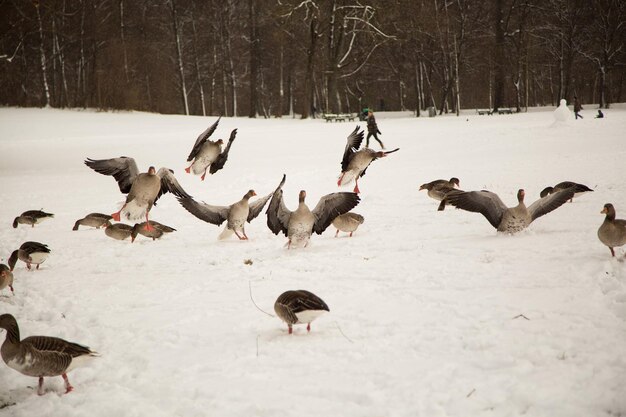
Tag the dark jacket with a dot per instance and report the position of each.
(577, 106)
(372, 127)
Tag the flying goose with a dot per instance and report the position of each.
(143, 189)
(579, 189)
(235, 215)
(31, 217)
(355, 161)
(158, 230)
(348, 222)
(300, 224)
(30, 253)
(119, 231)
(41, 356)
(207, 154)
(6, 278)
(437, 189)
(504, 219)
(612, 231)
(96, 220)
(299, 307)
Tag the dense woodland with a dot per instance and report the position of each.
(272, 58)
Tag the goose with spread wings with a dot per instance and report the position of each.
(142, 189)
(355, 161)
(507, 219)
(300, 224)
(579, 189)
(236, 215)
(207, 154)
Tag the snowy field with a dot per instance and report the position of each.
(431, 313)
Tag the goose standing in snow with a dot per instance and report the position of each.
(355, 161)
(236, 215)
(612, 232)
(505, 219)
(579, 189)
(31, 217)
(96, 220)
(158, 230)
(41, 356)
(299, 307)
(6, 278)
(30, 253)
(299, 225)
(119, 231)
(348, 222)
(438, 189)
(143, 189)
(207, 154)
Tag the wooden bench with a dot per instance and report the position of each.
(342, 117)
(482, 112)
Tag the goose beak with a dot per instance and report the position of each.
(604, 211)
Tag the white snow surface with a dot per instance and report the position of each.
(431, 313)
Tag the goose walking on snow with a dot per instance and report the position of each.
(438, 189)
(41, 356)
(236, 215)
(300, 224)
(579, 189)
(96, 220)
(143, 189)
(348, 222)
(120, 231)
(355, 161)
(158, 230)
(30, 253)
(299, 307)
(612, 232)
(6, 278)
(207, 154)
(31, 217)
(505, 219)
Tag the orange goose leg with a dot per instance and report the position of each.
(308, 327)
(188, 169)
(204, 175)
(356, 187)
(340, 178)
(149, 227)
(68, 387)
(116, 215)
(40, 390)
(290, 329)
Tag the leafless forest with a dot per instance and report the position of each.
(272, 58)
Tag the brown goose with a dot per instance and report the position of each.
(355, 161)
(505, 219)
(348, 222)
(143, 189)
(299, 307)
(31, 217)
(207, 154)
(119, 231)
(30, 253)
(235, 215)
(6, 278)
(41, 356)
(299, 225)
(158, 230)
(439, 188)
(612, 232)
(579, 189)
(96, 220)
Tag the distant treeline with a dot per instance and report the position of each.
(284, 57)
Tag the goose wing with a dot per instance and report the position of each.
(331, 206)
(55, 344)
(257, 206)
(221, 158)
(210, 214)
(278, 214)
(550, 202)
(353, 143)
(169, 183)
(484, 202)
(578, 188)
(123, 169)
(32, 247)
(204, 136)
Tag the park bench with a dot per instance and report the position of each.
(482, 112)
(505, 111)
(341, 117)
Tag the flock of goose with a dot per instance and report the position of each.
(41, 356)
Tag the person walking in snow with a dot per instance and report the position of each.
(577, 108)
(372, 130)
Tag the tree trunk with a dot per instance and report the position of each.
(179, 56)
(254, 58)
(307, 102)
(42, 56)
(499, 57)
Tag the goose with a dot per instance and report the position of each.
(207, 154)
(96, 220)
(348, 222)
(612, 231)
(143, 189)
(41, 356)
(579, 189)
(355, 161)
(439, 188)
(299, 307)
(504, 219)
(235, 215)
(157, 233)
(30, 253)
(6, 278)
(31, 217)
(119, 231)
(300, 224)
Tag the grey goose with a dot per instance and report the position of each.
(31, 253)
(96, 220)
(6, 278)
(299, 307)
(612, 231)
(505, 219)
(119, 231)
(142, 189)
(157, 231)
(236, 215)
(41, 356)
(347, 222)
(579, 189)
(208, 155)
(31, 217)
(300, 224)
(355, 162)
(438, 189)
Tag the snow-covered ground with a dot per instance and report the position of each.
(431, 313)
